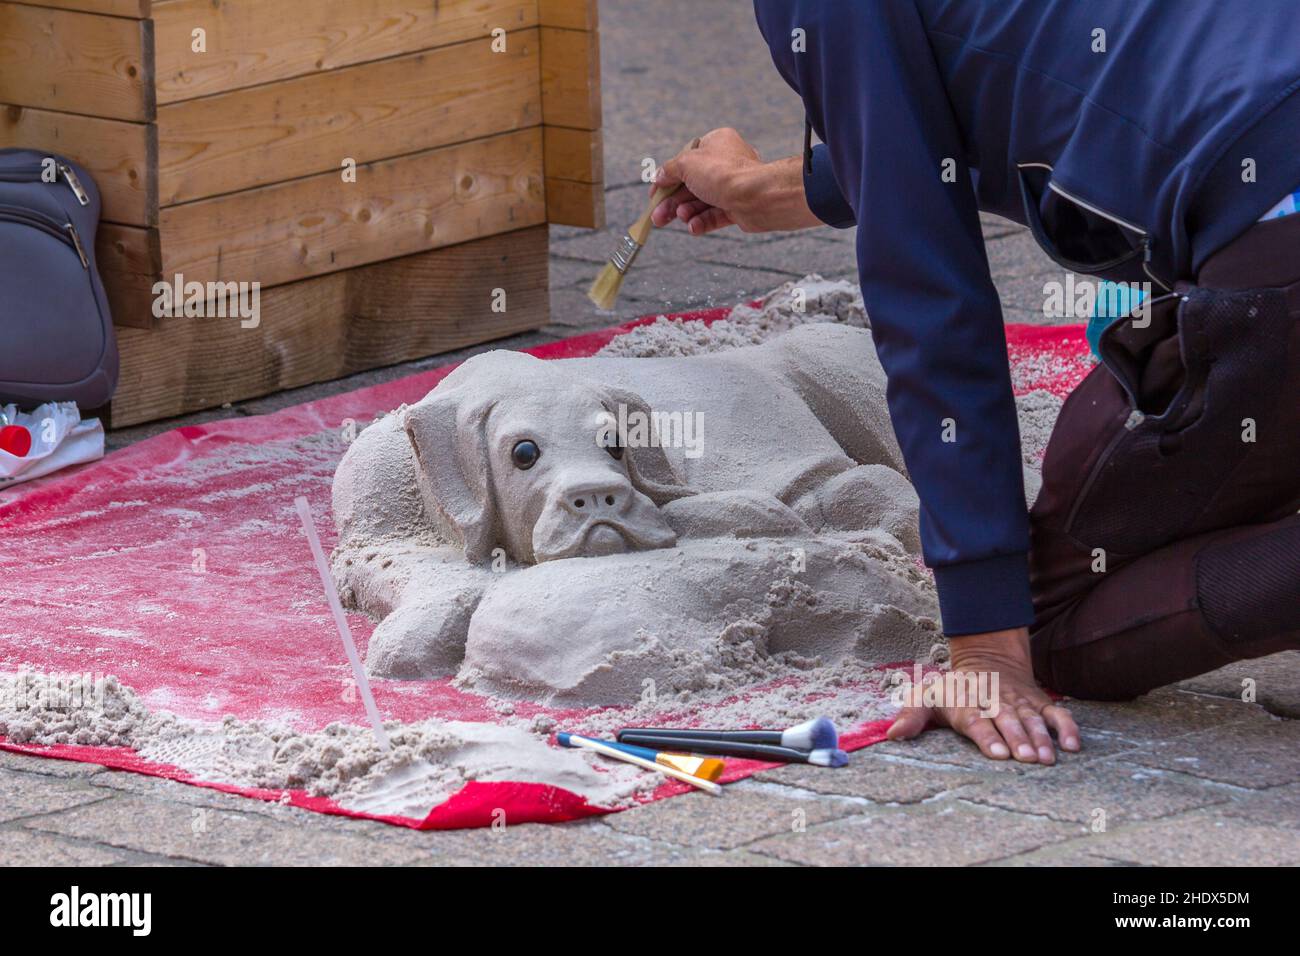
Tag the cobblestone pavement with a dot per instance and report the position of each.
(1188, 774)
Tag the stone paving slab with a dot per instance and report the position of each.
(26, 848)
(1164, 713)
(1276, 806)
(1015, 254)
(946, 833)
(573, 313)
(22, 763)
(582, 843)
(215, 836)
(877, 778)
(1274, 680)
(1201, 839)
(1070, 853)
(1250, 754)
(1102, 793)
(173, 792)
(29, 795)
(749, 811)
(1025, 295)
(676, 286)
(794, 256)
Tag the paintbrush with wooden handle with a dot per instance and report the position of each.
(604, 291)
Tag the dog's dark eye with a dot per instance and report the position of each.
(525, 454)
(615, 452)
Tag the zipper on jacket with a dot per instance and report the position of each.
(1146, 240)
(1051, 184)
(1109, 217)
(30, 174)
(65, 232)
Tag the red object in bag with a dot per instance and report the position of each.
(16, 440)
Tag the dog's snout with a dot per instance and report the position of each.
(592, 512)
(590, 498)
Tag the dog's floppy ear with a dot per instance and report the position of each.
(447, 430)
(651, 472)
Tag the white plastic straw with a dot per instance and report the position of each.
(341, 621)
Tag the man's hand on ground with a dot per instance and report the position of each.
(1026, 714)
(722, 182)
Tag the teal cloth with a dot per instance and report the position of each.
(1113, 301)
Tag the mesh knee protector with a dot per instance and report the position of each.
(1250, 589)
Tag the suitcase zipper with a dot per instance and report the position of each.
(65, 232)
(74, 184)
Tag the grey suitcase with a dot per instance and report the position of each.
(56, 333)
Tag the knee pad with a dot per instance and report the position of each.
(1249, 589)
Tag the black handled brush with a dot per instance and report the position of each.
(816, 734)
(822, 757)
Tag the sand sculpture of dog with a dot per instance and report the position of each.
(564, 528)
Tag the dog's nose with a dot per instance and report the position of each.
(595, 498)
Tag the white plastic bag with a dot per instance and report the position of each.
(59, 439)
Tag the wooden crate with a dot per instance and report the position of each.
(223, 136)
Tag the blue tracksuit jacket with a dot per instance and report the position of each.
(1134, 137)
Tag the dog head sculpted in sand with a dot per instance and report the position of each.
(510, 527)
(516, 453)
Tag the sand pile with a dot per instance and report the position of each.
(808, 300)
(427, 761)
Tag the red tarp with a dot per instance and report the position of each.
(179, 565)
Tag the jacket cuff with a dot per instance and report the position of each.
(991, 594)
(823, 193)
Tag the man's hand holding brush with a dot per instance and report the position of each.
(723, 182)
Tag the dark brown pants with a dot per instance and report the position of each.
(1165, 541)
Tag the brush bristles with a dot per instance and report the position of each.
(831, 757)
(604, 291)
(818, 734)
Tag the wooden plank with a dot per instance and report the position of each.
(336, 325)
(128, 249)
(567, 14)
(76, 62)
(369, 112)
(575, 170)
(249, 43)
(570, 203)
(129, 263)
(570, 78)
(116, 153)
(135, 9)
(321, 224)
(576, 154)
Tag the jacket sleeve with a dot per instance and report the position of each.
(823, 192)
(873, 90)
